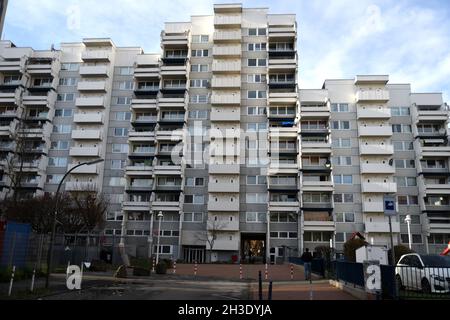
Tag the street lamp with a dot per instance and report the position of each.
(408, 223)
(160, 215)
(52, 236)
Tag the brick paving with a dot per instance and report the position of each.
(249, 271)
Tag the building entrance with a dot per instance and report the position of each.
(253, 247)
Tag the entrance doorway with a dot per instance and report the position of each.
(194, 254)
(253, 247)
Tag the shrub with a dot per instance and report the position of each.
(141, 262)
(399, 250)
(121, 272)
(161, 268)
(350, 248)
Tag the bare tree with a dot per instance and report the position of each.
(214, 227)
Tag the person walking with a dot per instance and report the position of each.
(307, 258)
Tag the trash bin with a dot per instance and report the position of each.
(234, 258)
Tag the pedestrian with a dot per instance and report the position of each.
(307, 258)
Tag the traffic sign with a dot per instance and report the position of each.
(389, 205)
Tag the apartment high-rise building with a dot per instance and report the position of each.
(212, 140)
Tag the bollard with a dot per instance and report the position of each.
(270, 291)
(195, 268)
(292, 271)
(267, 272)
(32, 280)
(174, 267)
(260, 285)
(154, 264)
(12, 281)
(240, 271)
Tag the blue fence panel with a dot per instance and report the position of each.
(350, 272)
(388, 282)
(15, 244)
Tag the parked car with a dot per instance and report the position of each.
(426, 273)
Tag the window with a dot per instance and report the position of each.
(343, 179)
(400, 111)
(343, 197)
(200, 38)
(342, 161)
(199, 83)
(339, 107)
(126, 71)
(195, 182)
(283, 235)
(256, 78)
(256, 94)
(405, 164)
(69, 66)
(401, 128)
(120, 148)
(257, 32)
(256, 217)
(199, 68)
(341, 143)
(123, 116)
(117, 182)
(63, 113)
(403, 145)
(62, 128)
(194, 199)
(199, 98)
(123, 100)
(340, 125)
(54, 178)
(117, 164)
(406, 181)
(163, 249)
(67, 81)
(345, 217)
(317, 236)
(256, 111)
(257, 46)
(200, 53)
(65, 97)
(257, 62)
(120, 132)
(257, 126)
(57, 162)
(126, 85)
(283, 217)
(60, 145)
(193, 217)
(256, 197)
(255, 180)
(198, 114)
(316, 197)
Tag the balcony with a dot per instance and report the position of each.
(437, 188)
(228, 8)
(94, 71)
(86, 169)
(136, 206)
(316, 206)
(433, 115)
(43, 68)
(223, 204)
(226, 98)
(375, 149)
(167, 170)
(39, 132)
(144, 136)
(276, 168)
(11, 97)
(7, 130)
(227, 36)
(165, 206)
(88, 102)
(283, 98)
(284, 206)
(145, 170)
(47, 100)
(316, 147)
(143, 152)
(180, 40)
(227, 51)
(81, 186)
(226, 66)
(171, 103)
(223, 185)
(13, 66)
(92, 86)
(373, 113)
(319, 226)
(378, 187)
(371, 79)
(224, 169)
(169, 135)
(143, 104)
(373, 206)
(227, 21)
(381, 227)
(317, 186)
(226, 82)
(377, 168)
(276, 133)
(380, 95)
(86, 135)
(96, 56)
(435, 151)
(88, 118)
(140, 187)
(84, 152)
(174, 70)
(375, 131)
(282, 64)
(223, 225)
(432, 208)
(225, 114)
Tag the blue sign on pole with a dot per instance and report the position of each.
(389, 205)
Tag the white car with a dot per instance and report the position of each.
(426, 273)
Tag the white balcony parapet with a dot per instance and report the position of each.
(86, 134)
(378, 187)
(88, 117)
(84, 152)
(375, 131)
(381, 227)
(380, 95)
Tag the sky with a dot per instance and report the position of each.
(407, 39)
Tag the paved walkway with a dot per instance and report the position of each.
(249, 271)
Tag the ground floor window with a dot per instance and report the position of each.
(439, 238)
(317, 236)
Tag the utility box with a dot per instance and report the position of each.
(372, 253)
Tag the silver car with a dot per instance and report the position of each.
(426, 273)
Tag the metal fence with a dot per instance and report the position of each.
(318, 266)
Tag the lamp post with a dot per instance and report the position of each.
(55, 213)
(408, 223)
(160, 215)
